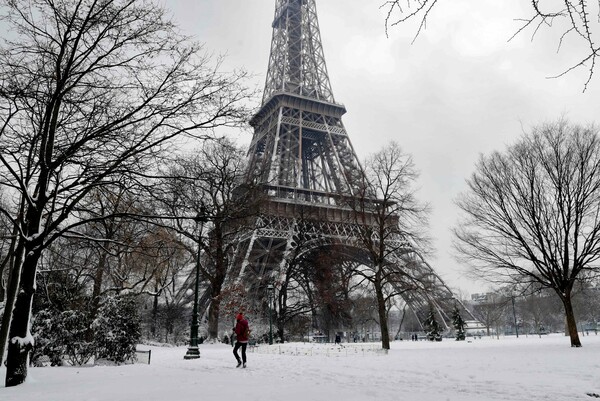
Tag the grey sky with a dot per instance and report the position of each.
(460, 90)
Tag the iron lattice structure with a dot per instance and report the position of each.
(297, 63)
(301, 154)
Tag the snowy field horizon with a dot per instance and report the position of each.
(509, 368)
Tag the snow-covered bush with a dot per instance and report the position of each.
(117, 329)
(71, 335)
(79, 347)
(62, 335)
(45, 330)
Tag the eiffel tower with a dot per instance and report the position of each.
(302, 156)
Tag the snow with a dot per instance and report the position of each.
(24, 341)
(527, 368)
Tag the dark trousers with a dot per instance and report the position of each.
(235, 351)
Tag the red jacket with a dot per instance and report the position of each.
(241, 331)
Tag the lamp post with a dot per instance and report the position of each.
(193, 352)
(270, 297)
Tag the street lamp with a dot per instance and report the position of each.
(271, 299)
(193, 352)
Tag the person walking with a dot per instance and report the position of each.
(242, 332)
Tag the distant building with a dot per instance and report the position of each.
(479, 298)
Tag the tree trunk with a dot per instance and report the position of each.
(213, 318)
(14, 275)
(98, 279)
(282, 316)
(7, 264)
(20, 339)
(383, 323)
(154, 313)
(216, 284)
(96, 291)
(279, 321)
(571, 323)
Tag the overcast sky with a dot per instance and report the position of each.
(460, 90)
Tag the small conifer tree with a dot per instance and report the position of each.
(432, 326)
(459, 324)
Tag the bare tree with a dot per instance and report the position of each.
(206, 187)
(91, 91)
(293, 297)
(535, 311)
(329, 274)
(573, 19)
(113, 253)
(390, 220)
(364, 313)
(532, 213)
(492, 310)
(105, 242)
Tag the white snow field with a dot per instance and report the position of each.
(527, 368)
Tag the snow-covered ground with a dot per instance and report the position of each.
(527, 368)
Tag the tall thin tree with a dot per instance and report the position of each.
(391, 221)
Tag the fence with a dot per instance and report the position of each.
(322, 350)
